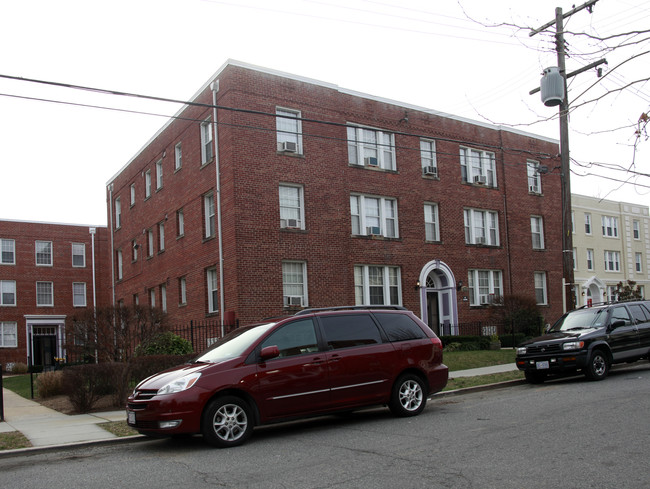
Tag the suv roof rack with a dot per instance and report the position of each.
(609, 303)
(343, 308)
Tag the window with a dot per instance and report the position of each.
(574, 256)
(119, 264)
(44, 253)
(178, 157)
(399, 327)
(118, 213)
(7, 252)
(44, 294)
(371, 148)
(208, 205)
(159, 174)
(612, 261)
(134, 250)
(78, 255)
(610, 226)
(8, 334)
(291, 207)
(295, 338)
(431, 230)
(534, 177)
(163, 297)
(213, 290)
(161, 236)
(484, 286)
(428, 157)
(79, 294)
(540, 288)
(377, 285)
(294, 283)
(152, 297)
(180, 223)
(206, 141)
(481, 227)
(149, 243)
(587, 223)
(478, 167)
(590, 259)
(611, 293)
(638, 259)
(348, 331)
(537, 232)
(7, 292)
(373, 216)
(636, 229)
(132, 194)
(288, 128)
(147, 184)
(182, 291)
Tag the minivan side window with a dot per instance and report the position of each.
(399, 327)
(295, 338)
(346, 331)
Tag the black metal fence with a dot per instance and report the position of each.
(476, 328)
(201, 334)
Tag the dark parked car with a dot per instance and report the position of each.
(589, 339)
(318, 361)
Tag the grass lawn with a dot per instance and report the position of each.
(20, 384)
(462, 360)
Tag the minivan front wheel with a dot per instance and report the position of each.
(227, 422)
(408, 397)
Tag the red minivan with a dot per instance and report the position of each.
(316, 362)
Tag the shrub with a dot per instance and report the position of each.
(17, 368)
(166, 343)
(50, 384)
(466, 343)
(142, 367)
(85, 384)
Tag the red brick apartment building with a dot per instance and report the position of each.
(48, 272)
(291, 192)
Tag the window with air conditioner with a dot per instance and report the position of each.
(288, 127)
(428, 157)
(374, 216)
(534, 177)
(291, 206)
(294, 283)
(371, 148)
(478, 167)
(485, 286)
(481, 227)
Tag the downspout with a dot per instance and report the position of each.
(92, 232)
(214, 86)
(110, 224)
(505, 217)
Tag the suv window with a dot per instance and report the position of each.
(620, 314)
(399, 327)
(639, 313)
(295, 338)
(350, 330)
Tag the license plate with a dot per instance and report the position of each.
(130, 417)
(538, 365)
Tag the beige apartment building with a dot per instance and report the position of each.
(611, 244)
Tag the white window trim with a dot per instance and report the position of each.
(491, 232)
(588, 224)
(590, 259)
(178, 156)
(147, 184)
(428, 155)
(385, 155)
(638, 262)
(15, 302)
(182, 288)
(362, 272)
(180, 223)
(132, 194)
(613, 257)
(363, 218)
(636, 230)
(209, 216)
(284, 220)
(51, 253)
(534, 177)
(282, 135)
(159, 174)
(161, 236)
(539, 233)
(487, 167)
(212, 289)
(474, 289)
(609, 222)
(435, 223)
(163, 297)
(542, 288)
(207, 152)
(13, 251)
(304, 297)
(82, 246)
(120, 263)
(75, 294)
(118, 213)
(51, 303)
(4, 326)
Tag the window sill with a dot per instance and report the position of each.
(291, 154)
(209, 238)
(373, 168)
(375, 237)
(203, 165)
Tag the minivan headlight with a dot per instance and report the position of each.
(573, 345)
(179, 385)
(521, 350)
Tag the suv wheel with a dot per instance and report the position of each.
(408, 397)
(227, 422)
(598, 366)
(534, 377)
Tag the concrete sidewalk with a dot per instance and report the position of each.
(46, 427)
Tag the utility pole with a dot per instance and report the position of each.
(565, 171)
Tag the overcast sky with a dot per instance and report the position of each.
(58, 152)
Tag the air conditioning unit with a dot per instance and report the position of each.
(292, 300)
(431, 170)
(289, 223)
(289, 147)
(533, 189)
(480, 240)
(480, 179)
(370, 161)
(484, 299)
(373, 231)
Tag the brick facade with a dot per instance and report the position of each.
(252, 168)
(37, 331)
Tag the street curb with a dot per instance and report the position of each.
(478, 388)
(67, 446)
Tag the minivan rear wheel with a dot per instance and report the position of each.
(408, 397)
(227, 422)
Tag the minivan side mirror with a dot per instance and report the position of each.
(616, 324)
(269, 352)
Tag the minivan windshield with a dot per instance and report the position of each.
(234, 343)
(581, 319)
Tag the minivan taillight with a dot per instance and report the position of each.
(437, 343)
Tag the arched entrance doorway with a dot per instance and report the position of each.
(593, 290)
(438, 298)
